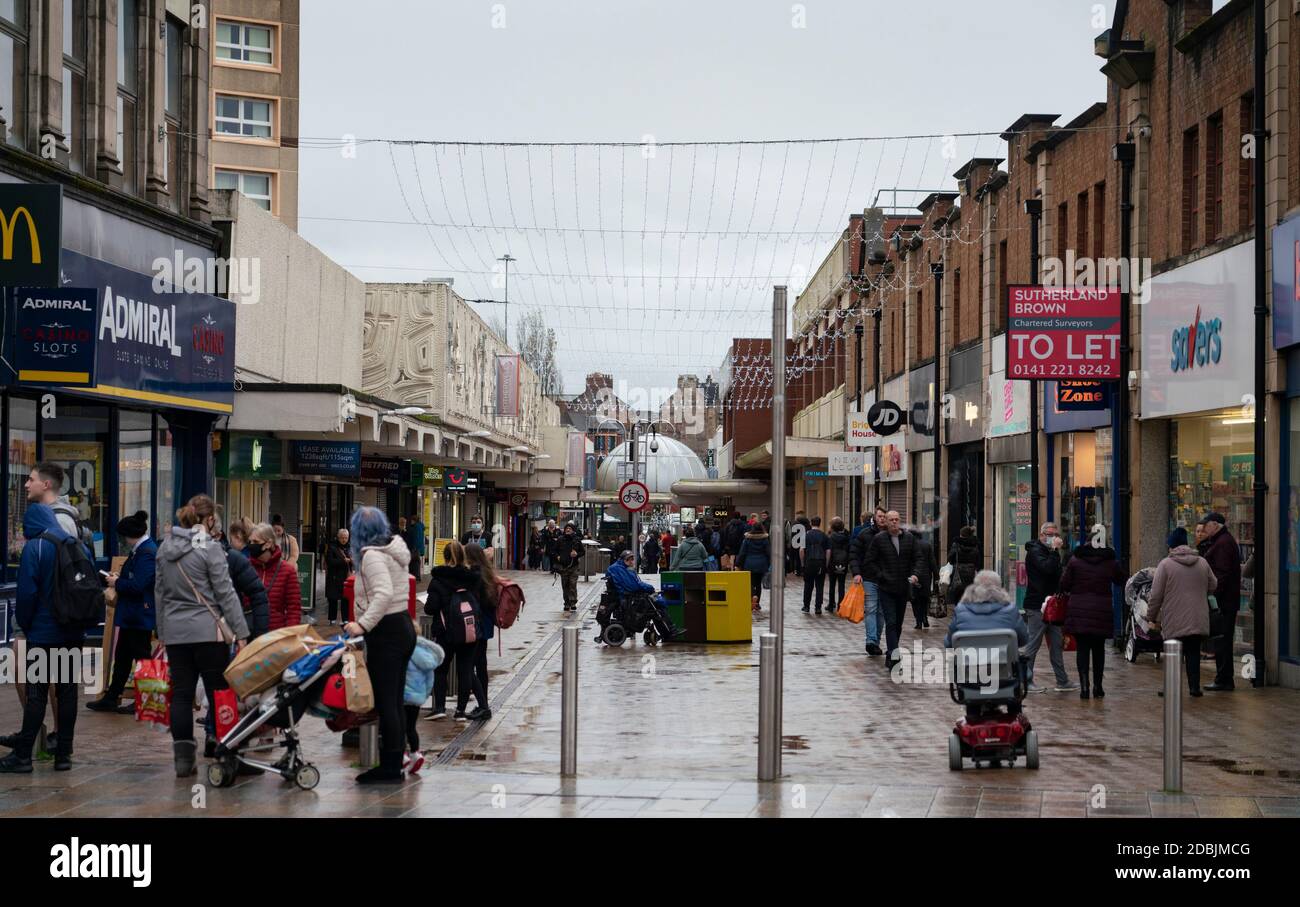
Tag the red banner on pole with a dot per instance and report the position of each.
(1063, 332)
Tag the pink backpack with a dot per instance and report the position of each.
(510, 601)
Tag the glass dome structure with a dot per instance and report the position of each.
(659, 468)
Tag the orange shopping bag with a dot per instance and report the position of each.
(852, 606)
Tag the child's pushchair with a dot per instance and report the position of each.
(1138, 635)
(994, 729)
(281, 707)
(621, 616)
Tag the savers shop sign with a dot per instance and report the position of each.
(1063, 332)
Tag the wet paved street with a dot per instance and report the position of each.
(672, 731)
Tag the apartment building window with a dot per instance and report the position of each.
(172, 105)
(1062, 229)
(255, 186)
(1191, 187)
(244, 117)
(13, 70)
(1081, 224)
(127, 92)
(1213, 177)
(74, 82)
(1099, 221)
(1246, 167)
(954, 323)
(1000, 304)
(242, 42)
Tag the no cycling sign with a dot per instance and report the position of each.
(1063, 332)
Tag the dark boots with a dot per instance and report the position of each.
(183, 752)
(389, 770)
(1097, 691)
(1084, 692)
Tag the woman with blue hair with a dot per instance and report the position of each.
(381, 595)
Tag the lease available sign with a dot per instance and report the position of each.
(1063, 332)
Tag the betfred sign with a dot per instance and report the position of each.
(1063, 332)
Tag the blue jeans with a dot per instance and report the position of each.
(875, 619)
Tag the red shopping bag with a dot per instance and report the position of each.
(153, 690)
(1055, 607)
(334, 696)
(227, 706)
(1068, 643)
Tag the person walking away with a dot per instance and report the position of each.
(288, 544)
(251, 592)
(816, 549)
(967, 559)
(897, 564)
(476, 559)
(1178, 603)
(453, 599)
(338, 567)
(198, 618)
(925, 580)
(134, 614)
(565, 556)
(35, 613)
(985, 605)
(535, 549)
(416, 544)
(690, 554)
(793, 555)
(733, 536)
(1088, 578)
(380, 598)
(1043, 567)
(864, 574)
(278, 578)
(1220, 550)
(650, 554)
(837, 564)
(755, 556)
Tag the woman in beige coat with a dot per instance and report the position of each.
(1179, 602)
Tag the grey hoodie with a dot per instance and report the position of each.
(181, 617)
(70, 522)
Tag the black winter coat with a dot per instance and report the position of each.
(929, 568)
(892, 568)
(733, 535)
(443, 583)
(858, 563)
(840, 543)
(1088, 578)
(967, 559)
(1044, 568)
(1224, 557)
(252, 594)
(337, 568)
(561, 553)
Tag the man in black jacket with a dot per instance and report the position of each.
(566, 550)
(1043, 566)
(733, 535)
(863, 574)
(897, 565)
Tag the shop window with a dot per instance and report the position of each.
(1014, 526)
(1084, 485)
(1212, 467)
(1290, 624)
(78, 441)
(135, 465)
(923, 475)
(13, 71)
(168, 477)
(22, 457)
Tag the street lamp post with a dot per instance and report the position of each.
(1034, 208)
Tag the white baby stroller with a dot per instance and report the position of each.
(1138, 635)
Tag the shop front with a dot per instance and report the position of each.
(1286, 339)
(892, 460)
(1197, 382)
(1078, 465)
(1008, 446)
(963, 436)
(140, 437)
(922, 423)
(328, 471)
(246, 465)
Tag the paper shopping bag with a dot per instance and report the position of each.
(359, 694)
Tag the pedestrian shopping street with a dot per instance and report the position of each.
(673, 731)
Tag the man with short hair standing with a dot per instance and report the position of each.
(1220, 549)
(896, 563)
(1043, 566)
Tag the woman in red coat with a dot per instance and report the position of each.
(1089, 617)
(278, 576)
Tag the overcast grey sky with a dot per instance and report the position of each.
(647, 261)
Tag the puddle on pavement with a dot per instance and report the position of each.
(792, 742)
(1232, 766)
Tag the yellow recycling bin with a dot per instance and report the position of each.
(727, 606)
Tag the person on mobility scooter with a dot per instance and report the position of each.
(631, 606)
(986, 632)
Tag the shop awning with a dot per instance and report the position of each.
(798, 452)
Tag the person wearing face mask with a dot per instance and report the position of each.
(279, 578)
(476, 535)
(252, 594)
(1043, 566)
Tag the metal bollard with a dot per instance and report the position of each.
(369, 745)
(768, 743)
(569, 706)
(1173, 657)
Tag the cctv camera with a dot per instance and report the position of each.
(654, 446)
